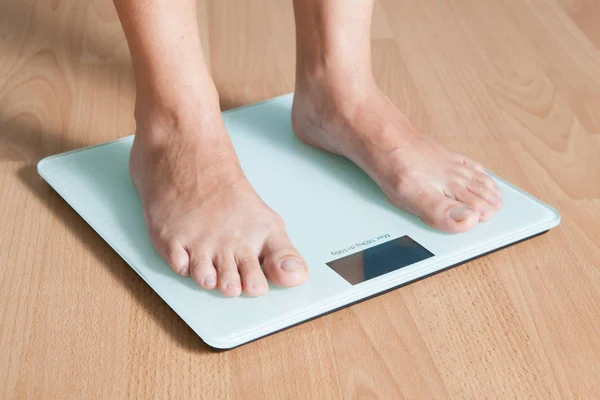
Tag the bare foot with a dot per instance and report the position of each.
(202, 215)
(446, 190)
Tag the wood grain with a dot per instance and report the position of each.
(515, 84)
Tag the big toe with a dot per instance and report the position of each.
(282, 263)
(443, 213)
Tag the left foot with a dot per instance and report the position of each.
(446, 190)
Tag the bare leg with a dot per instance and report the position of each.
(202, 215)
(339, 108)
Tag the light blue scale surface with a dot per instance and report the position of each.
(327, 203)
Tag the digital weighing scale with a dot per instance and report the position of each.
(356, 243)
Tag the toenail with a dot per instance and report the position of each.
(184, 271)
(292, 265)
(495, 199)
(210, 281)
(460, 213)
(232, 285)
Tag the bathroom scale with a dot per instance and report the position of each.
(357, 245)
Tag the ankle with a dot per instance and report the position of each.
(160, 114)
(176, 103)
(334, 91)
(336, 79)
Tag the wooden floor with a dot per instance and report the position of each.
(513, 83)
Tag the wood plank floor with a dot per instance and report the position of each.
(513, 83)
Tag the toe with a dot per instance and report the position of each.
(443, 213)
(282, 263)
(228, 279)
(175, 254)
(482, 207)
(254, 282)
(490, 196)
(487, 181)
(202, 270)
(473, 165)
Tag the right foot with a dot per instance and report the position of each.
(202, 215)
(448, 191)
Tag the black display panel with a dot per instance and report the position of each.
(378, 260)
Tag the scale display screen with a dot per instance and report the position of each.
(379, 260)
